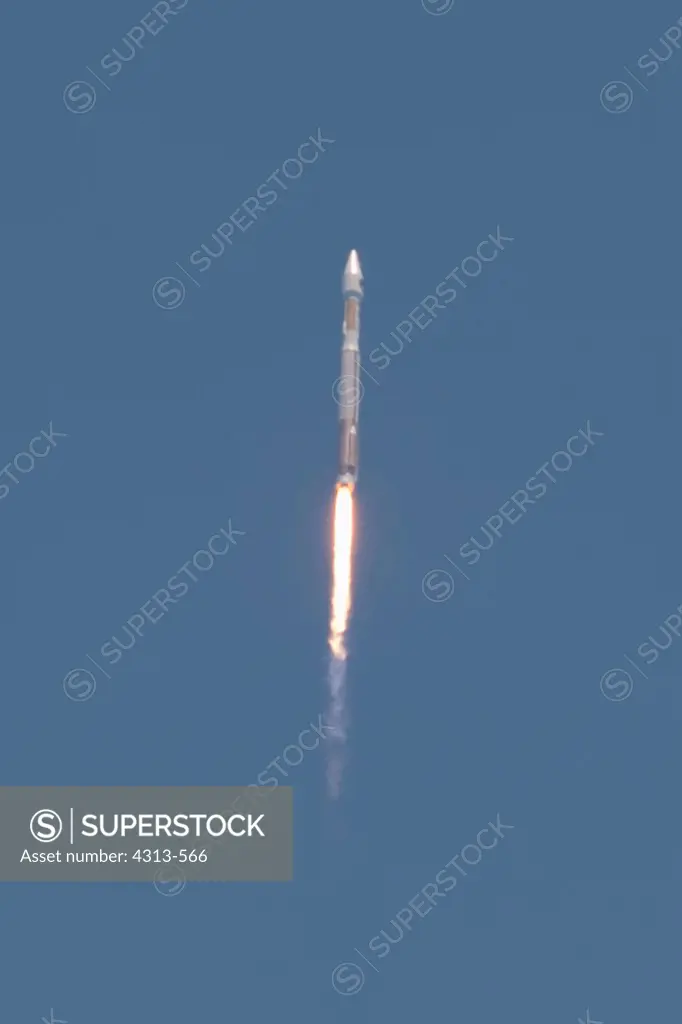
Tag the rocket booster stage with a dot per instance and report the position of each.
(349, 403)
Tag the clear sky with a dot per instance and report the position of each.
(469, 698)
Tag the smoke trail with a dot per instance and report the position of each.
(342, 585)
(336, 718)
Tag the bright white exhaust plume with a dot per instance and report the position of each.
(341, 601)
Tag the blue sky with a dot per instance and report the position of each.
(443, 127)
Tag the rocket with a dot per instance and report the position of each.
(349, 395)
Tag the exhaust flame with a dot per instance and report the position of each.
(341, 601)
(342, 570)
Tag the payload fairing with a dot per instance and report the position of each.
(349, 405)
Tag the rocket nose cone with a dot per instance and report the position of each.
(353, 264)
